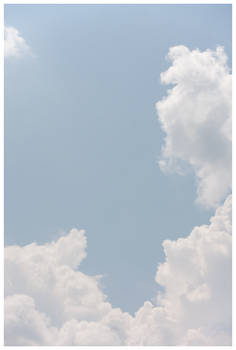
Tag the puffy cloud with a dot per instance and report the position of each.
(197, 279)
(196, 117)
(195, 307)
(50, 302)
(43, 285)
(48, 273)
(24, 325)
(14, 44)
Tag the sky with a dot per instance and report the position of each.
(89, 147)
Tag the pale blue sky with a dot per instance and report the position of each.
(82, 139)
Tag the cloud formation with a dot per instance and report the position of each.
(196, 118)
(49, 301)
(14, 44)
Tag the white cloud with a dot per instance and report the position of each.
(24, 325)
(50, 302)
(14, 44)
(197, 279)
(195, 308)
(48, 273)
(196, 117)
(43, 285)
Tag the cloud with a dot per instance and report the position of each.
(197, 280)
(195, 307)
(196, 118)
(14, 44)
(49, 301)
(48, 273)
(24, 325)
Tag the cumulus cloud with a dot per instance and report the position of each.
(197, 279)
(14, 44)
(49, 301)
(196, 118)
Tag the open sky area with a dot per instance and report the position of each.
(83, 139)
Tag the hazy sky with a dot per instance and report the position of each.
(82, 138)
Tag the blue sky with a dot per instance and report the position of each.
(82, 139)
